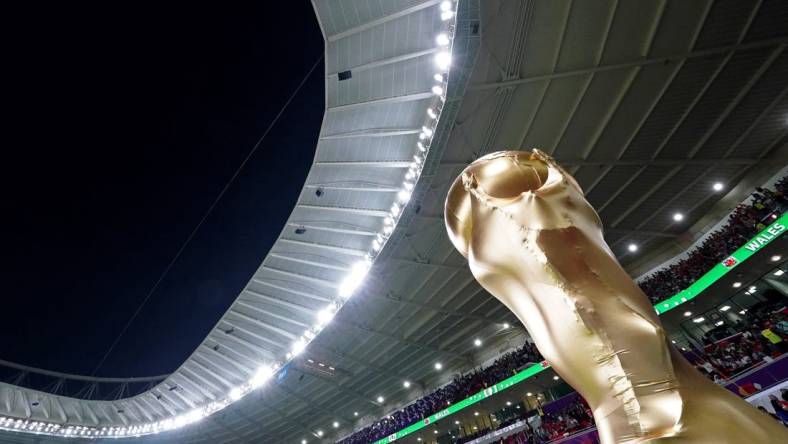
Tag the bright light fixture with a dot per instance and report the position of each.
(325, 316)
(319, 433)
(527, 394)
(442, 39)
(355, 413)
(779, 273)
(431, 113)
(421, 146)
(443, 60)
(742, 312)
(403, 195)
(725, 308)
(406, 384)
(262, 375)
(335, 424)
(699, 320)
(438, 366)
(687, 313)
(556, 378)
(355, 278)
(477, 342)
(446, 15)
(776, 258)
(632, 247)
(298, 347)
(303, 441)
(718, 186)
(678, 217)
(236, 394)
(718, 323)
(736, 284)
(446, 6)
(475, 413)
(437, 90)
(505, 325)
(752, 289)
(438, 77)
(380, 399)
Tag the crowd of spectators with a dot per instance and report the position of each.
(744, 222)
(571, 419)
(460, 388)
(763, 335)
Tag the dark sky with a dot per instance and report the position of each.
(121, 123)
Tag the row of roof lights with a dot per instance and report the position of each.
(678, 216)
(346, 288)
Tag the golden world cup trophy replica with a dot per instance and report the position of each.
(535, 243)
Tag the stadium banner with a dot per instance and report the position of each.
(770, 233)
(469, 401)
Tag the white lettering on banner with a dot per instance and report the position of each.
(763, 238)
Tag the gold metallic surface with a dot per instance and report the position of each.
(534, 242)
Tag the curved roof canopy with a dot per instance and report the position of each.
(647, 103)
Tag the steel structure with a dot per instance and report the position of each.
(640, 99)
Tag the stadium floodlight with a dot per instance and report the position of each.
(403, 195)
(421, 146)
(356, 276)
(298, 347)
(438, 77)
(437, 90)
(477, 342)
(406, 384)
(262, 375)
(438, 366)
(380, 399)
(431, 113)
(443, 60)
(442, 39)
(678, 217)
(236, 393)
(718, 186)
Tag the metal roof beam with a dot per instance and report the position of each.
(334, 248)
(316, 297)
(377, 22)
(308, 262)
(287, 304)
(372, 188)
(387, 61)
(273, 315)
(632, 64)
(359, 211)
(614, 230)
(372, 132)
(376, 164)
(319, 281)
(395, 99)
(354, 231)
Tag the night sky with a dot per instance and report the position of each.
(121, 124)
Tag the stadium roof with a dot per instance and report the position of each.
(647, 103)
